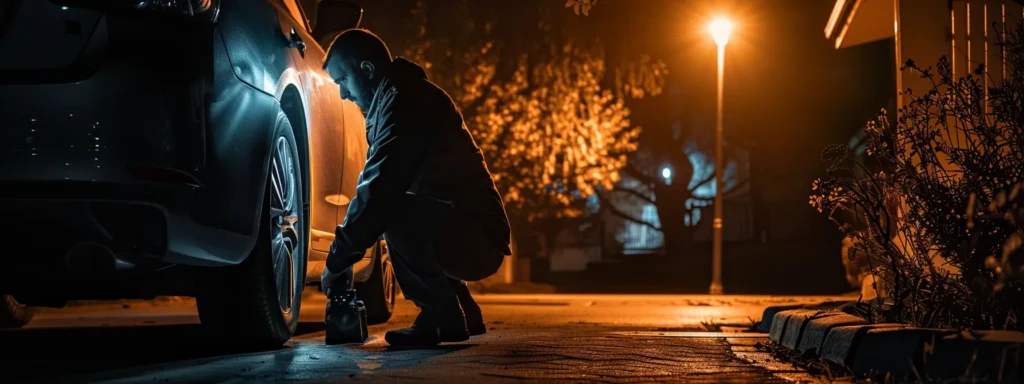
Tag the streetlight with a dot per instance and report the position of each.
(666, 173)
(720, 29)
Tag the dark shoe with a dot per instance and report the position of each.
(426, 332)
(414, 336)
(452, 321)
(474, 317)
(450, 324)
(345, 320)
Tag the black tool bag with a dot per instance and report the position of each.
(346, 319)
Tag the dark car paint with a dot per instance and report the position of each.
(211, 94)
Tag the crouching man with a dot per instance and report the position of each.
(425, 188)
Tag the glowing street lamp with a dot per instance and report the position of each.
(720, 29)
(666, 173)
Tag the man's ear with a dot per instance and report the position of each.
(368, 68)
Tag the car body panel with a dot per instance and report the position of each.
(30, 25)
(324, 117)
(194, 103)
(337, 141)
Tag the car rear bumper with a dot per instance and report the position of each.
(158, 121)
(137, 221)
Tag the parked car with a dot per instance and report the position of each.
(177, 147)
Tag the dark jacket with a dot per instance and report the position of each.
(419, 144)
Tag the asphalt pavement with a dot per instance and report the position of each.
(603, 338)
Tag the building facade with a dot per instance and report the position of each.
(965, 31)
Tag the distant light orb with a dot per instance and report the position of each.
(666, 173)
(721, 29)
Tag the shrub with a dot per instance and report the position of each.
(911, 204)
(855, 263)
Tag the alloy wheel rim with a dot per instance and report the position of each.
(284, 217)
(388, 277)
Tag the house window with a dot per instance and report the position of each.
(639, 238)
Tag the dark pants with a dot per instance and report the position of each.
(434, 248)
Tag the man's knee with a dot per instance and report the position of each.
(432, 235)
(470, 259)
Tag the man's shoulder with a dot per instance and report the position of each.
(421, 94)
(420, 88)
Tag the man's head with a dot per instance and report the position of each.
(356, 60)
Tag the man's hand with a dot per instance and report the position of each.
(336, 282)
(343, 257)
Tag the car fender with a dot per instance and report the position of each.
(240, 120)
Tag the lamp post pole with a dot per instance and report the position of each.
(720, 29)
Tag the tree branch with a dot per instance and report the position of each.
(705, 181)
(724, 193)
(625, 216)
(637, 174)
(645, 198)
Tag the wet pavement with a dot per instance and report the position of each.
(606, 338)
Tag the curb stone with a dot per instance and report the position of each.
(838, 346)
(899, 352)
(779, 325)
(839, 305)
(817, 330)
(798, 323)
(985, 355)
(834, 332)
(768, 316)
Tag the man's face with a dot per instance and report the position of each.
(355, 80)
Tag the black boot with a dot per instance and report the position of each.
(474, 317)
(452, 321)
(420, 334)
(446, 323)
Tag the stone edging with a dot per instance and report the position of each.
(902, 352)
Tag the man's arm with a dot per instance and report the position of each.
(397, 151)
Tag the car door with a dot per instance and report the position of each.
(325, 122)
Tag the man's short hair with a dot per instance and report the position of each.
(358, 44)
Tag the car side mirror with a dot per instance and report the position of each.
(334, 16)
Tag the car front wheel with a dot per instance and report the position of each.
(379, 291)
(257, 302)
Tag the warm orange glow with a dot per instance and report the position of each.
(720, 30)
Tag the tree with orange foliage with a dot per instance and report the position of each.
(552, 130)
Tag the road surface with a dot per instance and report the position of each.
(611, 338)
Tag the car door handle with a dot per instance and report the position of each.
(295, 41)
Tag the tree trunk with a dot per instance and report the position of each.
(546, 238)
(535, 241)
(761, 226)
(670, 201)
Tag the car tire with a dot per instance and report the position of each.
(257, 303)
(14, 314)
(378, 292)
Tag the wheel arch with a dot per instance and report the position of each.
(294, 109)
(238, 137)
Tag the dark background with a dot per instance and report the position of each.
(788, 93)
